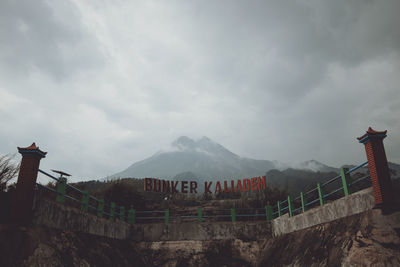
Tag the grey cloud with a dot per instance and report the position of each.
(48, 36)
(286, 80)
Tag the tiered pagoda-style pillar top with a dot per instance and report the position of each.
(32, 150)
(371, 134)
(378, 167)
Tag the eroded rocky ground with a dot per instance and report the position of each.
(368, 239)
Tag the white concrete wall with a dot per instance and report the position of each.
(353, 204)
(54, 215)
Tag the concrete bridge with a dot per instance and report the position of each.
(60, 216)
(52, 214)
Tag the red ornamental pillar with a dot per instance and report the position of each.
(378, 167)
(27, 176)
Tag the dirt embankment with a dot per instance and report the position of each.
(359, 240)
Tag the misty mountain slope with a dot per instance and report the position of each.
(208, 160)
(205, 158)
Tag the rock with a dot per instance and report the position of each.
(366, 239)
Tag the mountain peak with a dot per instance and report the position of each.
(184, 143)
(205, 138)
(188, 158)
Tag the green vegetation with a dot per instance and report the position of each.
(129, 193)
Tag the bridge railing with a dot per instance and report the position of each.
(372, 140)
(78, 198)
(334, 188)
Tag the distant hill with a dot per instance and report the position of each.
(394, 169)
(295, 180)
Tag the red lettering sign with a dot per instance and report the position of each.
(184, 186)
(207, 187)
(193, 186)
(218, 187)
(245, 185)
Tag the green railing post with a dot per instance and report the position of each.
(303, 202)
(345, 181)
(61, 189)
(112, 211)
(122, 213)
(279, 209)
(233, 215)
(166, 216)
(100, 208)
(85, 201)
(290, 207)
(131, 216)
(268, 212)
(199, 215)
(320, 194)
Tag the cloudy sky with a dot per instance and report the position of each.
(102, 84)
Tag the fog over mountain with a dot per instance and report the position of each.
(207, 159)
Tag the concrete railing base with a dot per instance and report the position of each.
(353, 204)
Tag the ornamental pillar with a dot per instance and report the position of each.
(378, 167)
(31, 156)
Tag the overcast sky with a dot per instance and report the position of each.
(102, 84)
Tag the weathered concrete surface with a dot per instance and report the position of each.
(366, 239)
(50, 214)
(62, 217)
(58, 216)
(353, 204)
(201, 231)
(44, 246)
(202, 253)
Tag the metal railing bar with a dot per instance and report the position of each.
(77, 189)
(357, 167)
(49, 175)
(333, 192)
(47, 188)
(296, 198)
(296, 209)
(249, 209)
(312, 190)
(215, 216)
(149, 211)
(358, 180)
(74, 199)
(330, 181)
(148, 218)
(250, 215)
(92, 197)
(312, 202)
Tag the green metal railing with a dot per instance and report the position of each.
(319, 193)
(290, 206)
(87, 202)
